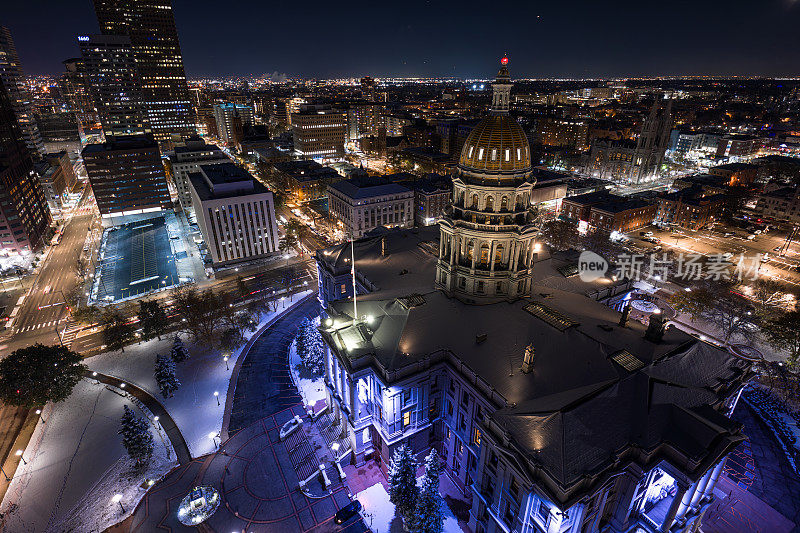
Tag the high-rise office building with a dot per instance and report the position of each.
(127, 176)
(77, 93)
(24, 216)
(150, 24)
(319, 131)
(236, 213)
(116, 86)
(13, 80)
(231, 120)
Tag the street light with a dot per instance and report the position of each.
(226, 362)
(155, 419)
(117, 498)
(18, 453)
(39, 412)
(213, 437)
(216, 395)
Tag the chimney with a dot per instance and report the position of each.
(527, 360)
(656, 328)
(626, 311)
(383, 246)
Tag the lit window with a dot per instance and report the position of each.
(519, 154)
(406, 418)
(508, 154)
(476, 438)
(480, 154)
(494, 154)
(471, 148)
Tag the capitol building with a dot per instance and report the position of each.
(551, 411)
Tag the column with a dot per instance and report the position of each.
(475, 251)
(683, 508)
(673, 508)
(712, 481)
(701, 487)
(491, 255)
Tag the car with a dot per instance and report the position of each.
(751, 237)
(347, 512)
(728, 235)
(727, 256)
(764, 258)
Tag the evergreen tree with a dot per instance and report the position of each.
(38, 374)
(311, 348)
(136, 437)
(179, 352)
(429, 514)
(164, 373)
(403, 490)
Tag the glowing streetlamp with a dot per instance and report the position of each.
(39, 412)
(213, 437)
(226, 362)
(18, 453)
(216, 395)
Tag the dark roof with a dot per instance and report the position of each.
(367, 187)
(580, 413)
(127, 142)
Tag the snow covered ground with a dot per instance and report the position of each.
(379, 514)
(76, 463)
(312, 390)
(193, 407)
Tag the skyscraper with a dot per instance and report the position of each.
(116, 87)
(150, 24)
(13, 80)
(24, 216)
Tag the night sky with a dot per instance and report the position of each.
(315, 38)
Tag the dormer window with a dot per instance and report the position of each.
(519, 154)
(471, 149)
(508, 154)
(480, 154)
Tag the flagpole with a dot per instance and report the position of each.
(353, 272)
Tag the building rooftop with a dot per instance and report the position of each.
(224, 180)
(584, 410)
(368, 187)
(126, 142)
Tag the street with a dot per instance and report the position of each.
(44, 309)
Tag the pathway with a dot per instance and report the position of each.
(256, 473)
(155, 407)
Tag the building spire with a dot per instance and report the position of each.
(501, 96)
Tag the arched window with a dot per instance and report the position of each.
(474, 201)
(504, 204)
(484, 254)
(471, 148)
(498, 254)
(494, 154)
(461, 197)
(490, 203)
(470, 249)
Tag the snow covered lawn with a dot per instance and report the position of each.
(379, 514)
(193, 407)
(76, 463)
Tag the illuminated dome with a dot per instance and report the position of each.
(497, 145)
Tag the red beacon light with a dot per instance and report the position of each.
(504, 61)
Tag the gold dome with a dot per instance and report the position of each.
(496, 145)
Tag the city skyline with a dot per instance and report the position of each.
(634, 39)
